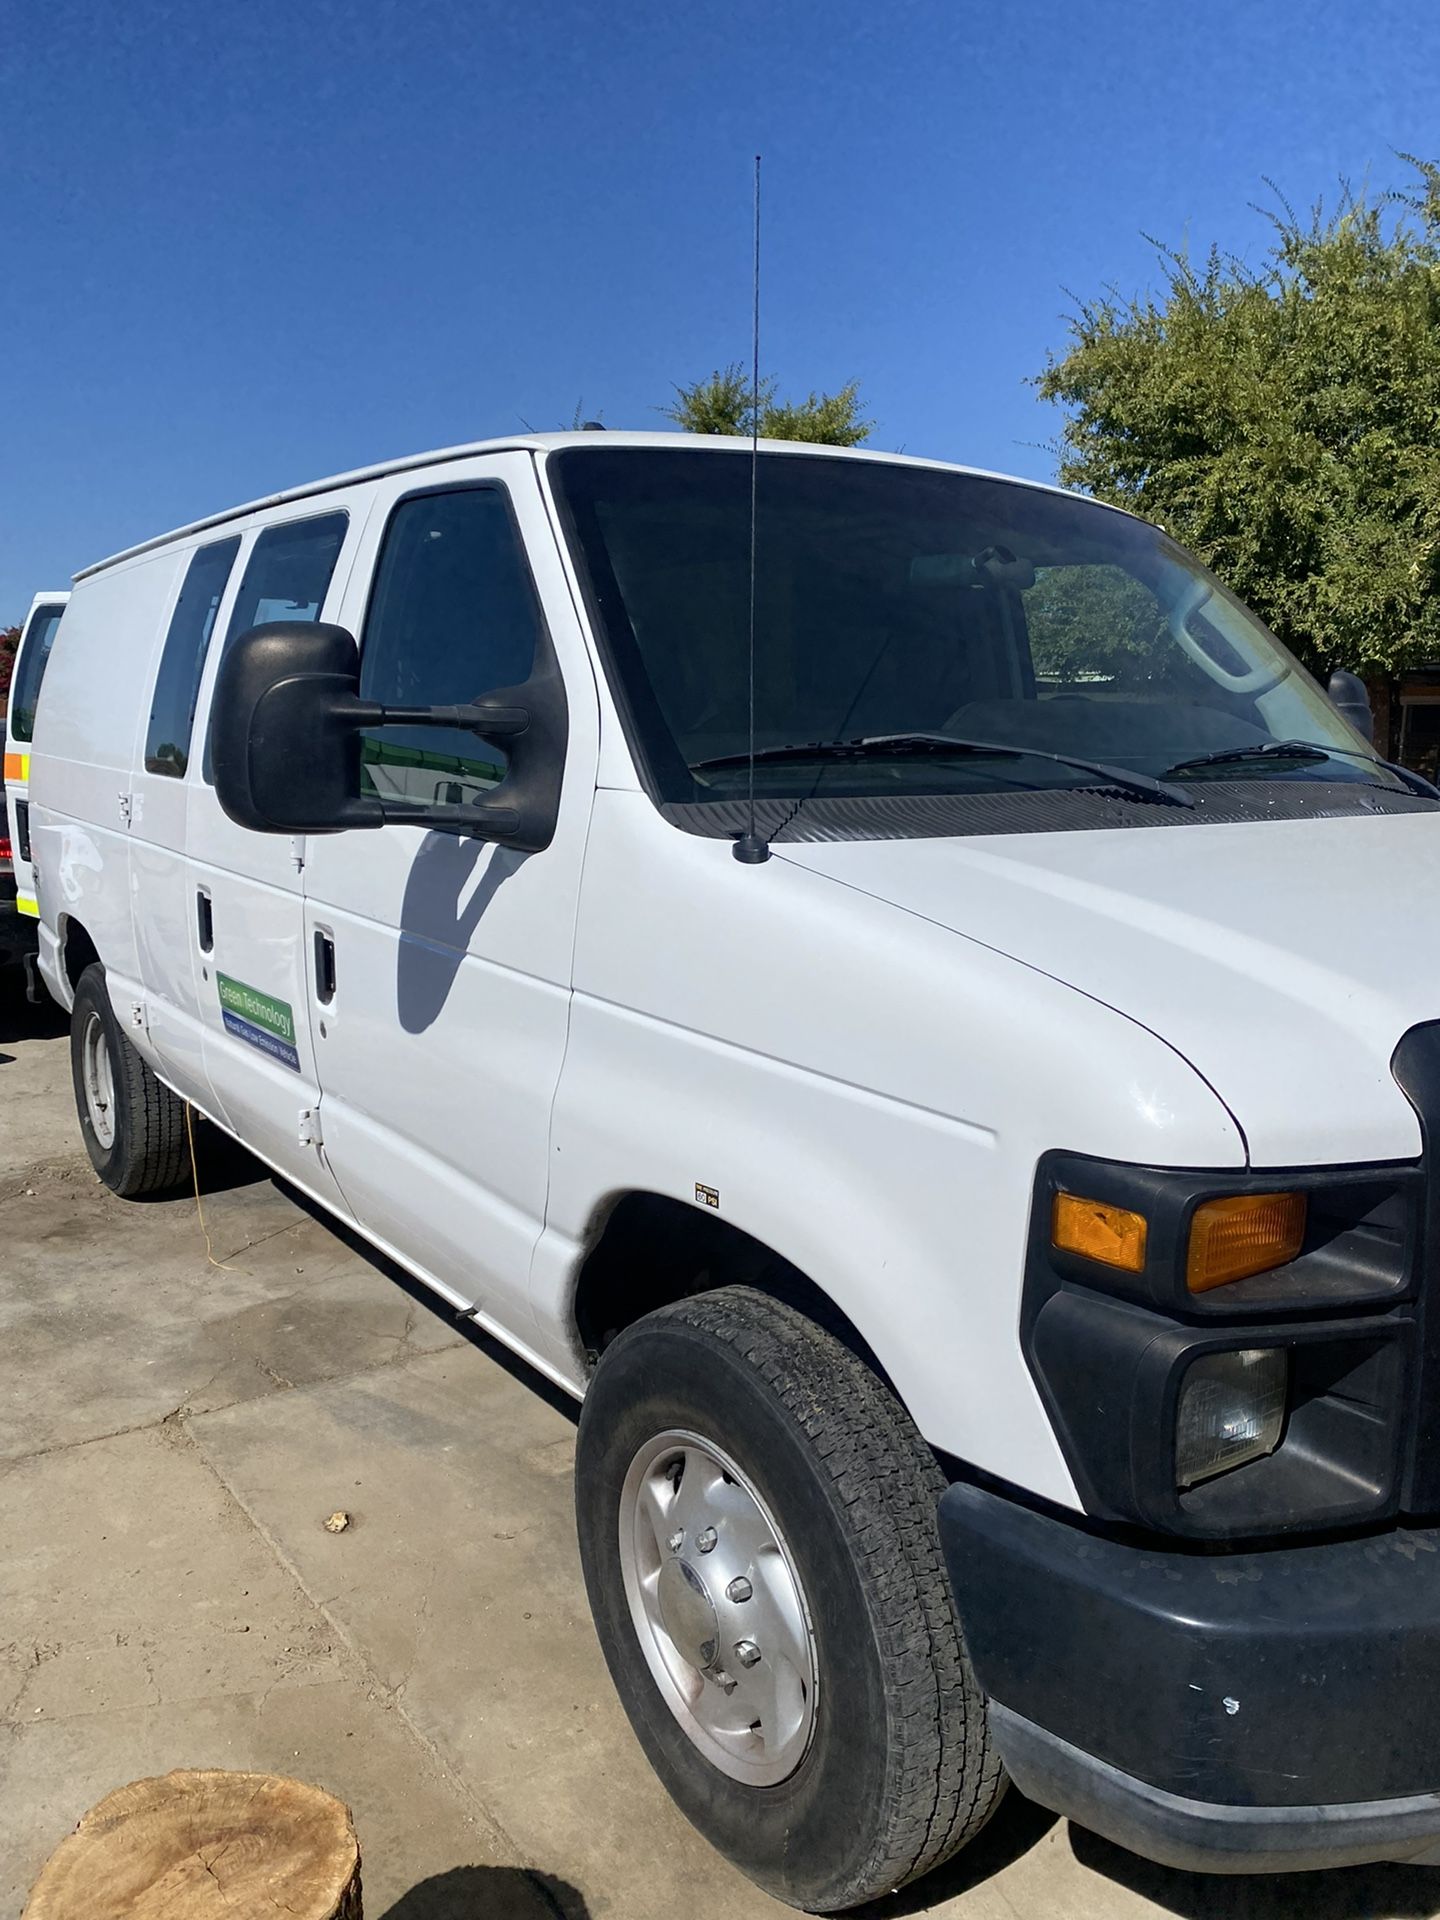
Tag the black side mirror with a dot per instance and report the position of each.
(1348, 692)
(286, 742)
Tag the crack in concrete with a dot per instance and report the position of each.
(380, 1690)
(422, 1627)
(185, 1409)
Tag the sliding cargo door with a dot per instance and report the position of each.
(247, 912)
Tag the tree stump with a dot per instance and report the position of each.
(199, 1845)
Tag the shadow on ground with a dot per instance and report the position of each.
(489, 1893)
(221, 1163)
(19, 1020)
(1017, 1826)
(483, 1342)
(1338, 1893)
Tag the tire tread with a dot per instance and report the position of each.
(151, 1152)
(946, 1777)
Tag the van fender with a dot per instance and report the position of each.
(842, 1185)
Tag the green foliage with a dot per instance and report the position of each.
(832, 418)
(722, 403)
(1284, 422)
(1085, 621)
(9, 642)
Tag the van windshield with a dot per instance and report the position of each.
(895, 601)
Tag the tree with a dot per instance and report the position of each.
(723, 404)
(1284, 422)
(9, 642)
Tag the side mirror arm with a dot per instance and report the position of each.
(491, 722)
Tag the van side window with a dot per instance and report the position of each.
(286, 578)
(177, 682)
(453, 615)
(33, 661)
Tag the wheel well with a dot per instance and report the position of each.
(77, 952)
(654, 1250)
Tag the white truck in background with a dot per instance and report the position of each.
(18, 912)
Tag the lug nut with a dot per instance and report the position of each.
(705, 1540)
(677, 1540)
(739, 1589)
(746, 1652)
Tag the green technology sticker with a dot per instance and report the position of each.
(258, 1020)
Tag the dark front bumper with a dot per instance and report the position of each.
(1250, 1711)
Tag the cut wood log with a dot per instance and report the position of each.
(205, 1844)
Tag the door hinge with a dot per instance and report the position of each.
(124, 799)
(310, 1134)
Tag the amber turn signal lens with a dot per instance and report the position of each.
(1112, 1235)
(1243, 1234)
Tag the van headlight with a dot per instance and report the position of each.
(1224, 1354)
(1230, 1409)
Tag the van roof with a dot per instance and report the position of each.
(540, 443)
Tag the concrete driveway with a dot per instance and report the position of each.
(174, 1430)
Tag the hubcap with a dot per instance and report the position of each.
(98, 1079)
(718, 1608)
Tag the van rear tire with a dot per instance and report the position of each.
(132, 1124)
(752, 1500)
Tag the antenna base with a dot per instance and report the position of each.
(750, 850)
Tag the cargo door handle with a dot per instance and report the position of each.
(204, 921)
(324, 968)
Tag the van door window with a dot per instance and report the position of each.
(286, 578)
(33, 662)
(453, 615)
(177, 683)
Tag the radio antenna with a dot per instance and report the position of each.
(750, 848)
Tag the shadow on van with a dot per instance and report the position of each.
(435, 929)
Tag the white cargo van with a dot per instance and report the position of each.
(993, 1221)
(18, 910)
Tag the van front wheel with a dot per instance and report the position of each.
(133, 1126)
(757, 1525)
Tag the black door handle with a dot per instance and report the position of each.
(324, 968)
(204, 920)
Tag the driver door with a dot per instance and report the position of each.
(440, 989)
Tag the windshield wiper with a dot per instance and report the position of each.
(882, 745)
(1302, 750)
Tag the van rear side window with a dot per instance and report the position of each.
(34, 658)
(286, 578)
(177, 683)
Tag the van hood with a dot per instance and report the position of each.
(1284, 960)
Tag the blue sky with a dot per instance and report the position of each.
(248, 245)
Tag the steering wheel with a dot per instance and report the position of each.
(1257, 681)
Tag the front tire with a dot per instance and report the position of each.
(757, 1526)
(132, 1124)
